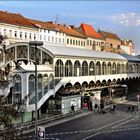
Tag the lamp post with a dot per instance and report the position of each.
(36, 43)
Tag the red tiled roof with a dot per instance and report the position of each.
(42, 24)
(108, 35)
(15, 19)
(68, 30)
(52, 26)
(89, 31)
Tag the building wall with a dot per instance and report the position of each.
(114, 42)
(52, 37)
(68, 101)
(94, 44)
(126, 49)
(18, 33)
(73, 41)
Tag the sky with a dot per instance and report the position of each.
(120, 17)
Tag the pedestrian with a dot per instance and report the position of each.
(72, 108)
(132, 109)
(114, 107)
(129, 108)
(96, 107)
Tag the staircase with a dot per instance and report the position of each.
(43, 98)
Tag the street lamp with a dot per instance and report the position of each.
(36, 43)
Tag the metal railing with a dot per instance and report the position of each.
(31, 125)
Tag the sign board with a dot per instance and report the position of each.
(41, 133)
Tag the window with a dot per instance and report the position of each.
(20, 35)
(87, 42)
(4, 31)
(67, 41)
(44, 37)
(52, 39)
(97, 43)
(73, 42)
(40, 37)
(84, 43)
(10, 33)
(79, 43)
(59, 40)
(15, 33)
(25, 35)
(48, 38)
(30, 36)
(56, 39)
(63, 40)
(34, 36)
(90, 43)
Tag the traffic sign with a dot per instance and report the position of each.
(41, 132)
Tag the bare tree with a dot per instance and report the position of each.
(7, 112)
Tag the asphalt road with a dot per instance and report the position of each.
(94, 126)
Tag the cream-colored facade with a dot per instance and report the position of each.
(73, 41)
(94, 44)
(18, 33)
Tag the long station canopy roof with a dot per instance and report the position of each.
(79, 52)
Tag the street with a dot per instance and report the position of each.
(95, 126)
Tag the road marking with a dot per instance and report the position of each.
(89, 130)
(112, 123)
(123, 123)
(105, 127)
(92, 136)
(127, 126)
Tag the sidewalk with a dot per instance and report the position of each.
(53, 120)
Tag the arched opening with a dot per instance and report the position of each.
(84, 68)
(118, 68)
(103, 83)
(114, 68)
(68, 68)
(103, 68)
(31, 88)
(98, 83)
(109, 68)
(91, 84)
(59, 68)
(98, 68)
(77, 68)
(91, 68)
(17, 90)
(77, 87)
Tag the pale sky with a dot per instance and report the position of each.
(120, 17)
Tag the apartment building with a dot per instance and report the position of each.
(94, 39)
(17, 28)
